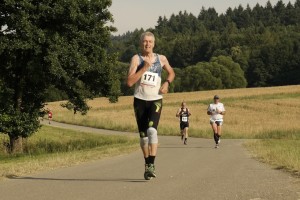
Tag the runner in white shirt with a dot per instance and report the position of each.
(216, 111)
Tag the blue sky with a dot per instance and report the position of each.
(131, 14)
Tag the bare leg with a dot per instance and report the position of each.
(153, 149)
(145, 150)
(219, 130)
(186, 133)
(215, 130)
(182, 134)
(214, 127)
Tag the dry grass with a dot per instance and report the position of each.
(251, 113)
(52, 148)
(282, 154)
(31, 165)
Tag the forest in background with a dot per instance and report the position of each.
(243, 47)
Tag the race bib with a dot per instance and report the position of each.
(184, 119)
(149, 78)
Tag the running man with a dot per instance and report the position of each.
(145, 73)
(216, 111)
(183, 113)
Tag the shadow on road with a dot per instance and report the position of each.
(87, 180)
(182, 147)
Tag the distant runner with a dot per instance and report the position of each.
(183, 113)
(216, 111)
(145, 73)
(49, 116)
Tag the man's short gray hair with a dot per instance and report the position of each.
(146, 34)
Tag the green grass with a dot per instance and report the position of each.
(54, 147)
(281, 153)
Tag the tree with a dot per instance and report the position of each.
(220, 73)
(235, 78)
(279, 10)
(51, 43)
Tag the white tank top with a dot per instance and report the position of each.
(147, 88)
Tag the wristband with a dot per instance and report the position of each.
(168, 82)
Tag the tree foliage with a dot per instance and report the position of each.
(60, 44)
(263, 40)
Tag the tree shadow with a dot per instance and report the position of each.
(78, 179)
(183, 147)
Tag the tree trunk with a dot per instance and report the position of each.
(15, 140)
(15, 145)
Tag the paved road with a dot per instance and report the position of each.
(194, 172)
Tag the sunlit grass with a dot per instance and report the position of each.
(251, 113)
(282, 154)
(54, 147)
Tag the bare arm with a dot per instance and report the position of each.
(189, 113)
(134, 76)
(178, 113)
(222, 112)
(171, 74)
(208, 111)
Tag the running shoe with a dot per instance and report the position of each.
(217, 146)
(149, 171)
(185, 142)
(146, 173)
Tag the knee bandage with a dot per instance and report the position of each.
(152, 135)
(144, 141)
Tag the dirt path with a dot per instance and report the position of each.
(194, 172)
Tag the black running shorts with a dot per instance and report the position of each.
(147, 114)
(184, 125)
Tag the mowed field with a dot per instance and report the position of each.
(252, 113)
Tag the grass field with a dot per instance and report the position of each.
(51, 148)
(251, 113)
(282, 154)
(269, 114)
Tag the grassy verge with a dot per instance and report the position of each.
(252, 113)
(282, 154)
(52, 148)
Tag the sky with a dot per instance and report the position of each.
(131, 14)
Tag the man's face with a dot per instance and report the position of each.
(148, 44)
(216, 101)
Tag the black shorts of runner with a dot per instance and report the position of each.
(184, 125)
(147, 114)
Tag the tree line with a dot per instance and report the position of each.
(243, 47)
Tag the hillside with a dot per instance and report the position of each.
(251, 113)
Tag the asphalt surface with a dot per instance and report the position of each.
(196, 171)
